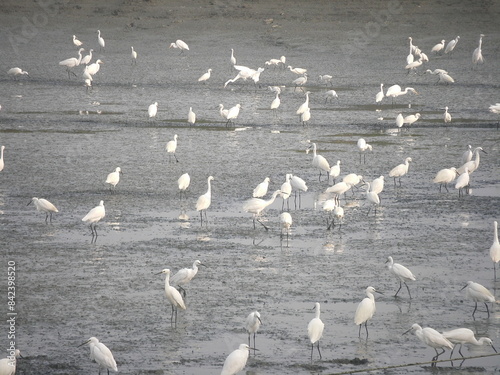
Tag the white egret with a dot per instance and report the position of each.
(445, 176)
(445, 78)
(411, 118)
(315, 329)
(233, 113)
(328, 206)
(93, 217)
(16, 72)
(185, 275)
(495, 249)
(438, 47)
(395, 90)
(152, 110)
(365, 310)
(400, 170)
(223, 112)
(277, 89)
(2, 163)
(326, 79)
(446, 116)
(286, 191)
(301, 81)
(8, 365)
(256, 205)
(319, 162)
(451, 45)
(113, 178)
(477, 56)
(180, 45)
(380, 95)
(399, 121)
(72, 62)
(362, 147)
(252, 325)
(460, 336)
(206, 76)
(232, 60)
(204, 201)
(494, 108)
(183, 183)
(472, 165)
(377, 185)
(273, 62)
(352, 179)
(372, 198)
(299, 185)
(478, 293)
(463, 182)
(339, 188)
(92, 69)
(245, 73)
(338, 213)
(331, 94)
(261, 189)
(100, 40)
(173, 296)
(43, 205)
(88, 83)
(276, 103)
(401, 272)
(467, 155)
(432, 338)
(133, 54)
(286, 222)
(298, 71)
(334, 171)
(414, 65)
(87, 58)
(171, 147)
(236, 361)
(305, 116)
(76, 42)
(191, 116)
(101, 354)
(304, 106)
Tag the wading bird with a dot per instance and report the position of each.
(184, 276)
(395, 90)
(380, 95)
(2, 163)
(252, 325)
(445, 176)
(180, 45)
(446, 116)
(86, 59)
(432, 338)
(191, 116)
(76, 42)
(183, 183)
(173, 296)
(43, 205)
(8, 365)
(472, 165)
(319, 161)
(204, 201)
(495, 249)
(261, 189)
(236, 361)
(400, 170)
(100, 40)
(72, 62)
(438, 47)
(477, 55)
(256, 205)
(315, 329)
(18, 71)
(362, 147)
(133, 54)
(206, 76)
(93, 217)
(365, 310)
(478, 293)
(152, 110)
(101, 354)
(462, 336)
(171, 147)
(401, 272)
(113, 178)
(286, 222)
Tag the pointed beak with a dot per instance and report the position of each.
(83, 343)
(405, 332)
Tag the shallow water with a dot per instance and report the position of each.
(69, 289)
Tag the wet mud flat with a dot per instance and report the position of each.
(70, 289)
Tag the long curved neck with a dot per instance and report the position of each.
(495, 233)
(314, 149)
(167, 281)
(271, 200)
(209, 190)
(307, 98)
(318, 312)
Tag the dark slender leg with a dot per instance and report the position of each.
(408, 289)
(475, 308)
(487, 310)
(319, 351)
(398, 289)
(366, 327)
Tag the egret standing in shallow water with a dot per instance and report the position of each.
(395, 90)
(191, 116)
(445, 176)
(185, 275)
(451, 45)
(495, 249)
(101, 354)
(8, 365)
(205, 200)
(334, 171)
(261, 189)
(252, 325)
(372, 198)
(133, 54)
(256, 205)
(100, 40)
(18, 71)
(72, 62)
(365, 310)
(113, 178)
(236, 361)
(180, 45)
(171, 147)
(362, 147)
(380, 95)
(76, 42)
(438, 47)
(183, 183)
(45, 206)
(152, 109)
(401, 272)
(315, 329)
(432, 338)
(466, 336)
(93, 217)
(319, 162)
(2, 163)
(205, 77)
(86, 59)
(463, 182)
(478, 293)
(472, 165)
(173, 296)
(400, 170)
(446, 116)
(286, 222)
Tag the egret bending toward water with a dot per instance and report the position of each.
(495, 249)
(395, 90)
(326, 78)
(183, 183)
(72, 62)
(298, 71)
(362, 147)
(101, 354)
(446, 116)
(319, 161)
(315, 329)
(432, 338)
(400, 170)
(472, 165)
(236, 361)
(252, 325)
(93, 217)
(171, 147)
(477, 56)
(463, 182)
(152, 110)
(185, 275)
(180, 45)
(380, 95)
(256, 205)
(133, 54)
(113, 178)
(45, 206)
(206, 76)
(173, 296)
(8, 365)
(191, 116)
(261, 189)
(365, 310)
(18, 71)
(331, 94)
(478, 293)
(451, 45)
(204, 201)
(466, 336)
(2, 163)
(100, 39)
(401, 272)
(438, 47)
(445, 176)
